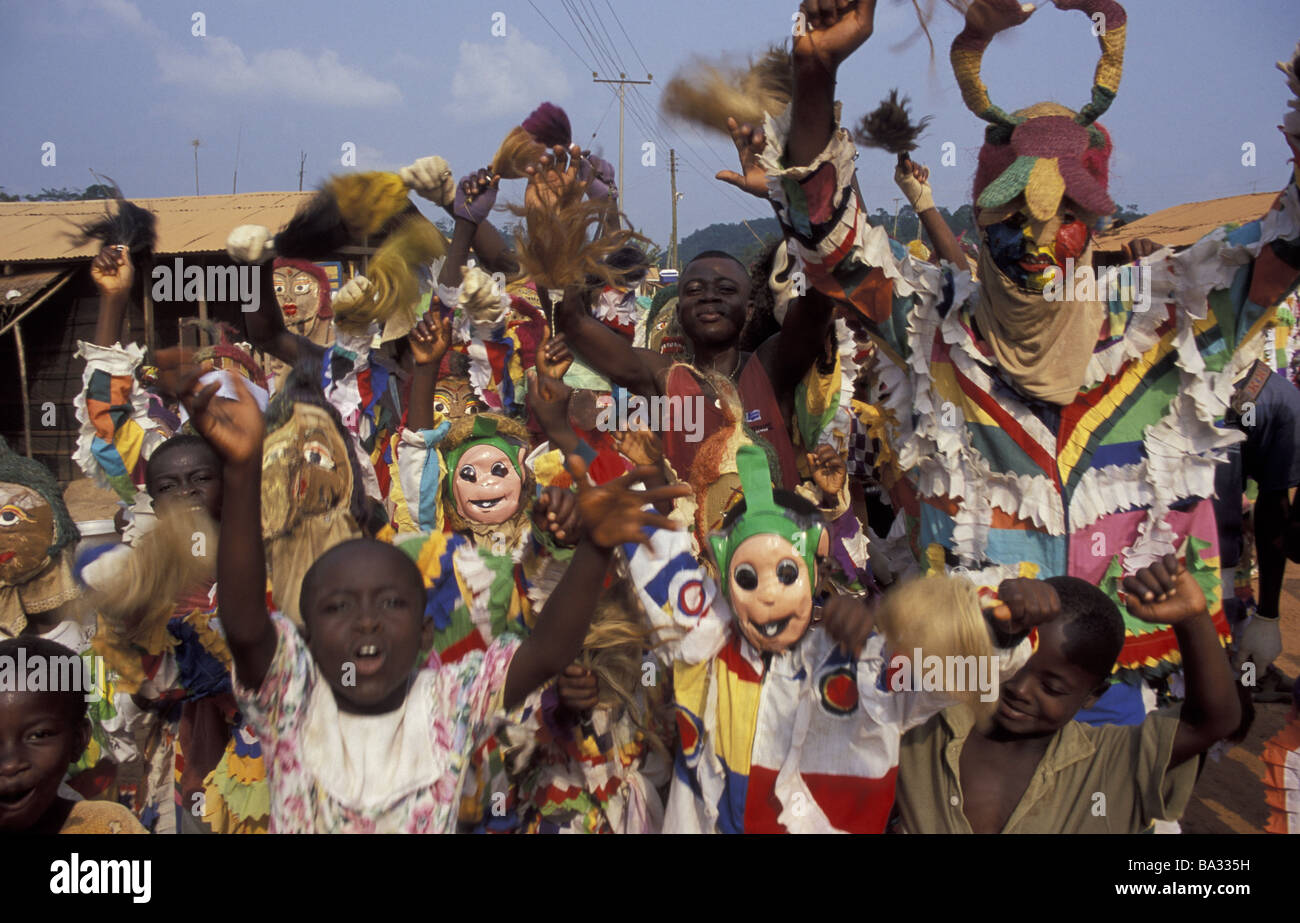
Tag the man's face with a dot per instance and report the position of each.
(713, 301)
(486, 486)
(365, 629)
(299, 295)
(38, 740)
(190, 475)
(1046, 692)
(26, 533)
(455, 398)
(771, 592)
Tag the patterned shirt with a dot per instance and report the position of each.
(323, 780)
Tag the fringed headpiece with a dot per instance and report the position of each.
(1047, 151)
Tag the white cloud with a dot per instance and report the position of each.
(504, 77)
(222, 67)
(129, 15)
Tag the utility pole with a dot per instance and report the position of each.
(195, 142)
(621, 81)
(672, 173)
(302, 165)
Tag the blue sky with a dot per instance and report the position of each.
(123, 86)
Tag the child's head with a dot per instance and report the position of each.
(362, 608)
(184, 468)
(1069, 669)
(41, 733)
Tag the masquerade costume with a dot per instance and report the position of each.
(201, 767)
(1096, 483)
(803, 740)
(309, 496)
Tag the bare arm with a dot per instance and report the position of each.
(235, 430)
(1167, 592)
(611, 355)
(113, 273)
(833, 31)
(801, 342)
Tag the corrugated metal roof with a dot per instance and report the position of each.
(1186, 224)
(31, 231)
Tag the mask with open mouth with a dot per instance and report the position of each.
(487, 483)
(767, 558)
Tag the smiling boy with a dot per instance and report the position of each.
(1037, 770)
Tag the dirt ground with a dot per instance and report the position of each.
(1229, 796)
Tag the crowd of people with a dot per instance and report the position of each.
(857, 538)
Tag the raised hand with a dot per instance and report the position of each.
(556, 512)
(612, 513)
(235, 429)
(848, 620)
(833, 30)
(749, 142)
(553, 356)
(549, 179)
(1024, 603)
(430, 338)
(112, 270)
(430, 178)
(548, 399)
(1138, 248)
(913, 180)
(1164, 593)
(577, 688)
(986, 18)
(640, 446)
(475, 195)
(598, 174)
(829, 470)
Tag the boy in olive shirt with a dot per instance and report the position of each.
(1035, 769)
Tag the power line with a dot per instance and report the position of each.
(559, 33)
(619, 22)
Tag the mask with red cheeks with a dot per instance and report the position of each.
(300, 295)
(486, 485)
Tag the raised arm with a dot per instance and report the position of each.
(611, 355)
(913, 179)
(235, 429)
(252, 244)
(429, 341)
(1166, 592)
(832, 31)
(113, 273)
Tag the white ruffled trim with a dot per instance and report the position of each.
(115, 360)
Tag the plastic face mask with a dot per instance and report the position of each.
(486, 486)
(770, 592)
